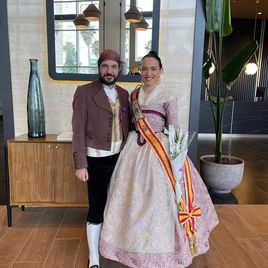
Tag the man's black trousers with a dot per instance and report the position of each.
(100, 170)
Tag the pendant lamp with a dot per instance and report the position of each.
(133, 15)
(80, 22)
(251, 68)
(212, 68)
(142, 25)
(92, 12)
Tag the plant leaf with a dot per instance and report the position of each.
(210, 15)
(218, 17)
(214, 100)
(234, 67)
(226, 19)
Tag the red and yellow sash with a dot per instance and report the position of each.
(187, 213)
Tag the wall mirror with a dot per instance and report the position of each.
(73, 52)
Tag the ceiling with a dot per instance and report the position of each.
(246, 9)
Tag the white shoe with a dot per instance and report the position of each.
(93, 239)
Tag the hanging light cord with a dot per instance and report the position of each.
(103, 27)
(120, 29)
(255, 26)
(260, 49)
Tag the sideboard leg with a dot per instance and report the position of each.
(9, 215)
(9, 209)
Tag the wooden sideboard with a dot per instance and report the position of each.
(41, 173)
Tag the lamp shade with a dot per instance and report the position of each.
(92, 12)
(133, 15)
(251, 68)
(142, 25)
(212, 68)
(80, 22)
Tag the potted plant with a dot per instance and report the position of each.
(218, 24)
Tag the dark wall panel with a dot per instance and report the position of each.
(5, 74)
(264, 66)
(206, 124)
(243, 32)
(249, 118)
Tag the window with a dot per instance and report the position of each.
(73, 53)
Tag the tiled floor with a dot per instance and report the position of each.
(56, 237)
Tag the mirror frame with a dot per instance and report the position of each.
(91, 77)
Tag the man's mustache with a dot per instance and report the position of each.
(109, 75)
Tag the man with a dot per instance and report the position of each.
(100, 128)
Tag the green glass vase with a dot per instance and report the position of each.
(35, 103)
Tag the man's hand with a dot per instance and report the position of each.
(82, 174)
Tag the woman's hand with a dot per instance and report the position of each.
(82, 174)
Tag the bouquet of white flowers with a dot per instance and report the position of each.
(179, 142)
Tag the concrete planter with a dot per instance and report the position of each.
(224, 177)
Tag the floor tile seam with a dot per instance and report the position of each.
(77, 253)
(244, 220)
(52, 244)
(219, 253)
(240, 247)
(33, 228)
(257, 238)
(10, 227)
(230, 229)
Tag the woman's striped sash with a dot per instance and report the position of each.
(187, 213)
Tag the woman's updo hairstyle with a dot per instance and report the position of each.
(153, 54)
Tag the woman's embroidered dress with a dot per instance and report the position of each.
(141, 227)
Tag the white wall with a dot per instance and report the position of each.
(177, 20)
(28, 39)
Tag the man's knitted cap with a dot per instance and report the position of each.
(109, 54)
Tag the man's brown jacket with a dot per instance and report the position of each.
(93, 118)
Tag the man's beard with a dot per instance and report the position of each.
(108, 82)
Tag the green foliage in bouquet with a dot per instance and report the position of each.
(178, 141)
(218, 24)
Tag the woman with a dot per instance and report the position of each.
(141, 224)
